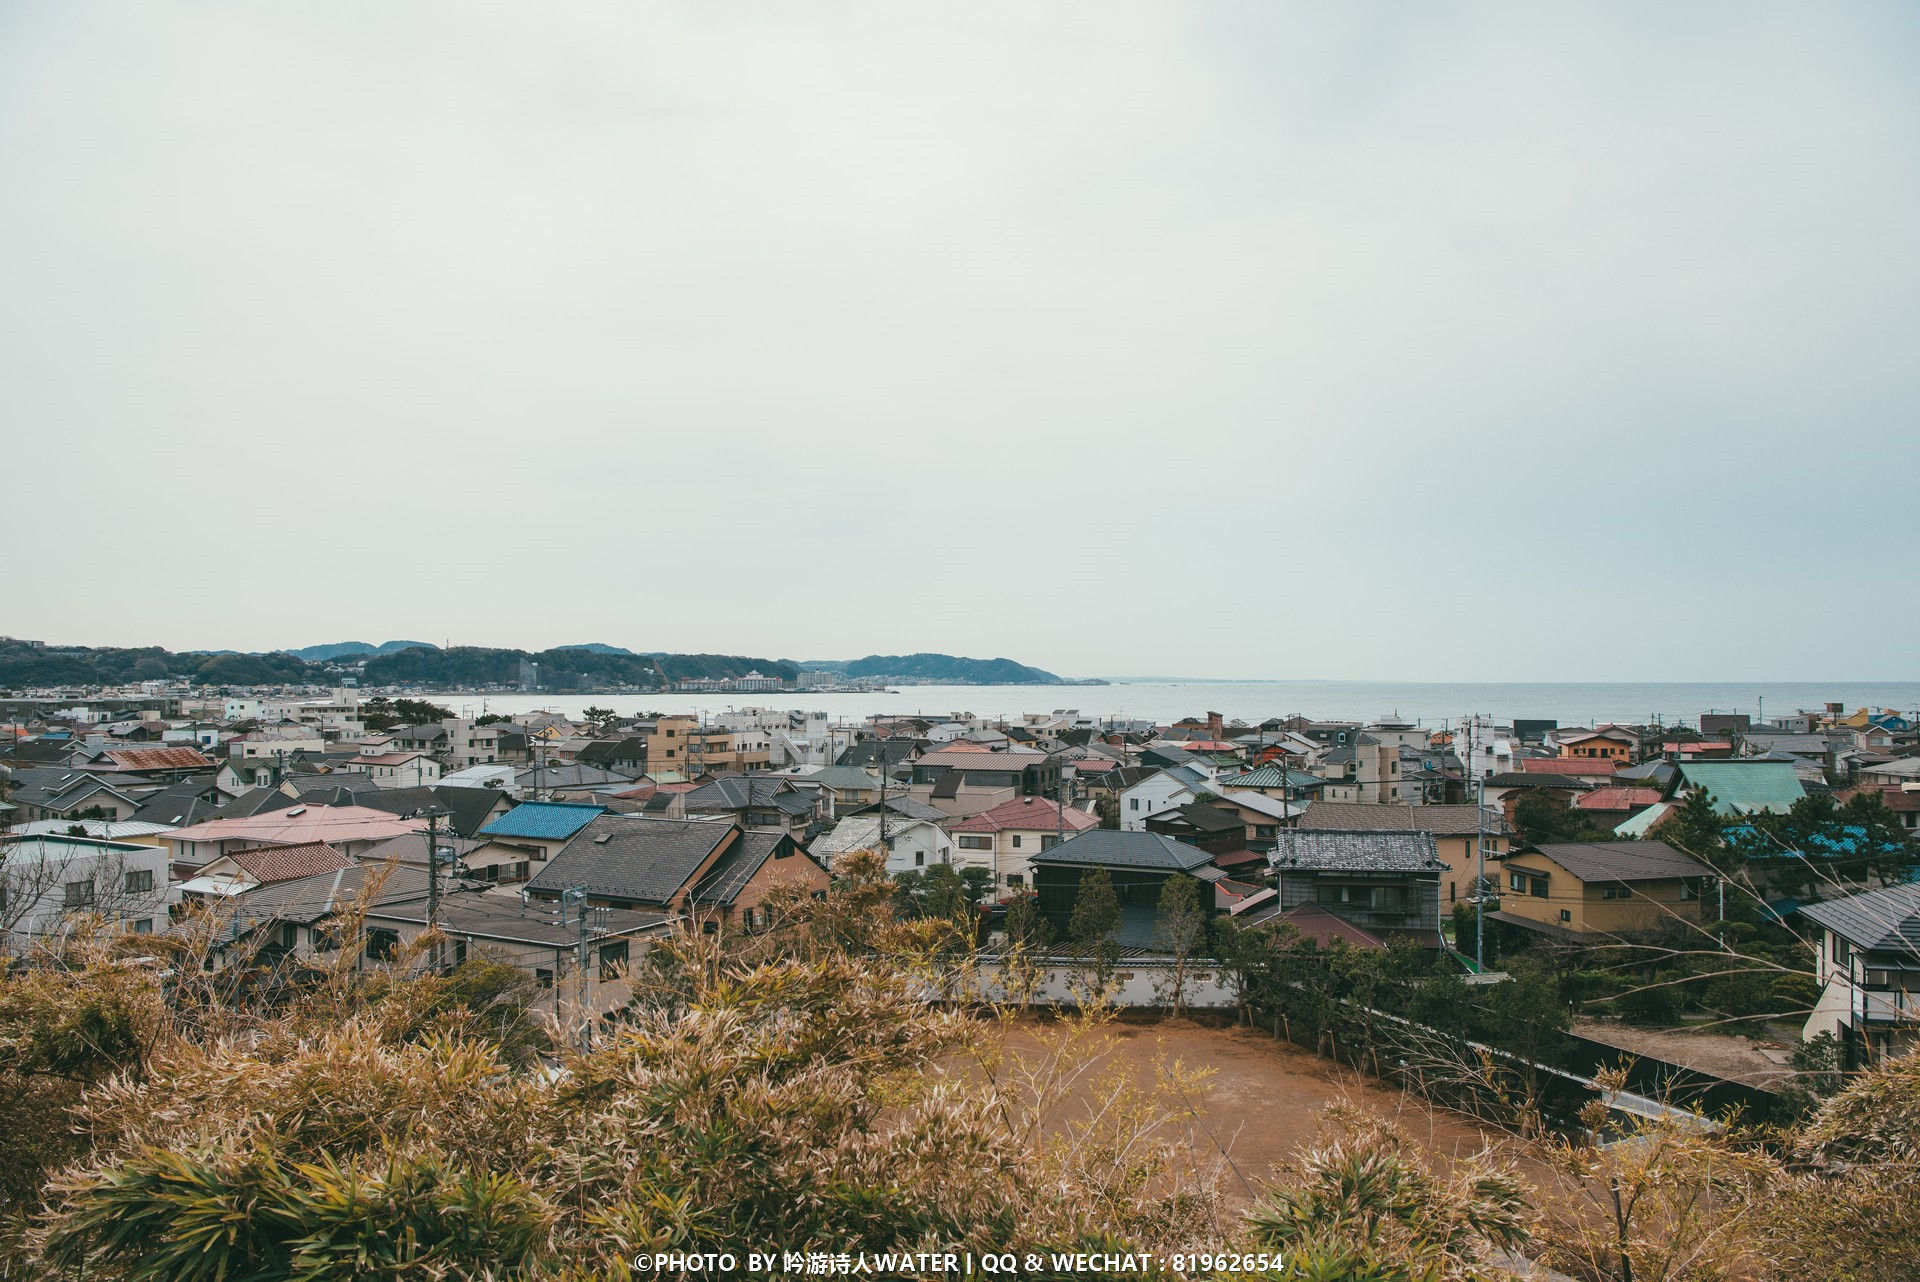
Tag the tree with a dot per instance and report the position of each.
(1027, 934)
(1179, 930)
(597, 715)
(1695, 827)
(1107, 807)
(1541, 817)
(381, 713)
(1096, 915)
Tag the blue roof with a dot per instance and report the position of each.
(549, 820)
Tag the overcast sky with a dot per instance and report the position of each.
(1399, 341)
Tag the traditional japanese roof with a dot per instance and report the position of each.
(741, 792)
(1396, 850)
(1398, 816)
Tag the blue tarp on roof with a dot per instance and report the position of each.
(543, 820)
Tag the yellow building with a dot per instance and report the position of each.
(1601, 888)
(1605, 744)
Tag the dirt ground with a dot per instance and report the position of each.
(1730, 1055)
(1266, 1098)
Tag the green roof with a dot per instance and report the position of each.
(1745, 787)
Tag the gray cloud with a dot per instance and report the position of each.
(1220, 338)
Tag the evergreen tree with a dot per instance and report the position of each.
(1096, 915)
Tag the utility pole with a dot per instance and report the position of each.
(1479, 853)
(576, 898)
(432, 815)
(884, 848)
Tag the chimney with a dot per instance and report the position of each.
(1216, 725)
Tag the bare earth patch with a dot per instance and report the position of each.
(1266, 1098)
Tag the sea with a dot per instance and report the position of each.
(1426, 703)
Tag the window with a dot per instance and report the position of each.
(1046, 842)
(1566, 914)
(1537, 887)
(919, 859)
(144, 926)
(1016, 843)
(1015, 879)
(1610, 892)
(613, 960)
(139, 880)
(1517, 881)
(1133, 803)
(544, 978)
(382, 944)
(79, 893)
(976, 843)
(1842, 951)
(289, 934)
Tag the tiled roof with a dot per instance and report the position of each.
(1271, 777)
(1108, 848)
(483, 916)
(1565, 766)
(543, 820)
(629, 857)
(1027, 813)
(284, 863)
(1621, 861)
(739, 792)
(1360, 816)
(1356, 851)
(1614, 797)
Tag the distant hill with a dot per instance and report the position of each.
(564, 668)
(597, 647)
(351, 649)
(946, 669)
(29, 664)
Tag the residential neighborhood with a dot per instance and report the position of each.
(271, 805)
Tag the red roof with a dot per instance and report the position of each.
(1238, 858)
(1565, 766)
(1027, 812)
(159, 759)
(284, 863)
(1323, 927)
(1617, 797)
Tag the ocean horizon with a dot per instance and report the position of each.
(1428, 703)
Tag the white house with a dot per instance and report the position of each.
(399, 769)
(1869, 970)
(1004, 840)
(911, 843)
(48, 879)
(1161, 790)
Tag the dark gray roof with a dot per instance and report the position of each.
(483, 917)
(306, 899)
(255, 801)
(467, 808)
(1360, 816)
(186, 802)
(1530, 779)
(732, 871)
(737, 792)
(1201, 816)
(1111, 849)
(907, 806)
(1877, 921)
(573, 776)
(1623, 860)
(869, 752)
(631, 857)
(1398, 850)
